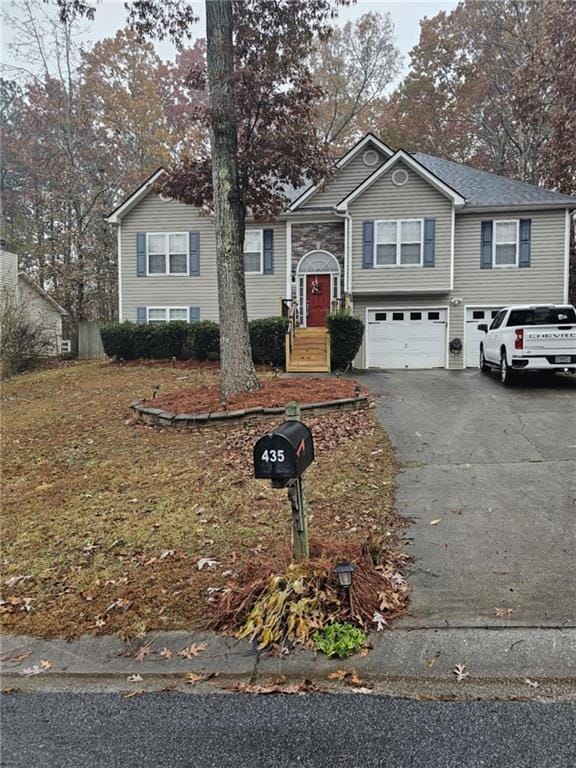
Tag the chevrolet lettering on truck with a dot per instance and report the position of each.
(538, 337)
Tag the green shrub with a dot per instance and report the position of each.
(339, 639)
(267, 339)
(346, 332)
(118, 340)
(204, 340)
(130, 341)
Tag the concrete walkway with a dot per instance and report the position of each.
(496, 468)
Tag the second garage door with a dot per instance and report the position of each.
(406, 338)
(475, 316)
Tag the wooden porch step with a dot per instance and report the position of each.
(309, 351)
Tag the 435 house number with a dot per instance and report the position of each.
(273, 455)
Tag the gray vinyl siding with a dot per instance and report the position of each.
(263, 292)
(345, 180)
(415, 200)
(542, 282)
(415, 301)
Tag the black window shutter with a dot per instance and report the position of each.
(141, 254)
(486, 245)
(194, 240)
(268, 251)
(429, 242)
(525, 242)
(367, 244)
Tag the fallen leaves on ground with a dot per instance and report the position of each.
(192, 678)
(30, 671)
(142, 652)
(16, 658)
(307, 686)
(125, 512)
(135, 678)
(460, 672)
(435, 521)
(191, 651)
(531, 683)
(503, 611)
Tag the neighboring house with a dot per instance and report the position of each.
(422, 249)
(38, 305)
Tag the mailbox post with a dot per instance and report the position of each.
(282, 456)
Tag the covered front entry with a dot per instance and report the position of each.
(406, 338)
(317, 286)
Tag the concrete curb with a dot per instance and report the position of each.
(400, 662)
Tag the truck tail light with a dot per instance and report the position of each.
(519, 340)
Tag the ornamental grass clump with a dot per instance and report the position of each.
(279, 603)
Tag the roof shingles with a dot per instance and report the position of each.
(481, 188)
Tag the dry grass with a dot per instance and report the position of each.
(106, 520)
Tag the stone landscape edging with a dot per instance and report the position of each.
(158, 417)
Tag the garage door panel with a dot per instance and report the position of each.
(474, 317)
(407, 338)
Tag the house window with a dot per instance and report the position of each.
(166, 314)
(398, 243)
(254, 251)
(167, 253)
(506, 243)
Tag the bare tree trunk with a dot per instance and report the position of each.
(238, 372)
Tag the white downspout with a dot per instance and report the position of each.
(119, 247)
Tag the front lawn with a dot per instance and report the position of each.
(105, 522)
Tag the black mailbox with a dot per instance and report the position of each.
(284, 453)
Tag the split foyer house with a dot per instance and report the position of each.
(420, 248)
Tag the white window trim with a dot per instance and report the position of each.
(261, 234)
(494, 228)
(167, 310)
(166, 236)
(398, 223)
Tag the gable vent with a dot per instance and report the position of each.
(370, 157)
(400, 177)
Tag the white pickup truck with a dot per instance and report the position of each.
(539, 337)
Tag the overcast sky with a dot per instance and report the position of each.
(406, 16)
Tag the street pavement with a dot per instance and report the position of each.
(217, 731)
(495, 467)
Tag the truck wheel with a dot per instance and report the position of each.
(484, 367)
(506, 373)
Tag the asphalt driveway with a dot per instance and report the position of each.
(496, 468)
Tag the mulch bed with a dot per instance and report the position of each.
(273, 393)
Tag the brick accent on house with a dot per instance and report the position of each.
(317, 237)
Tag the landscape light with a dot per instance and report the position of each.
(344, 573)
(155, 389)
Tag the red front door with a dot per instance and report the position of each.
(318, 299)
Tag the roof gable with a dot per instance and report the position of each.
(41, 293)
(420, 170)
(128, 203)
(367, 142)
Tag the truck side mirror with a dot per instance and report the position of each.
(483, 327)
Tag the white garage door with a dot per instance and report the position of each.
(475, 316)
(406, 338)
